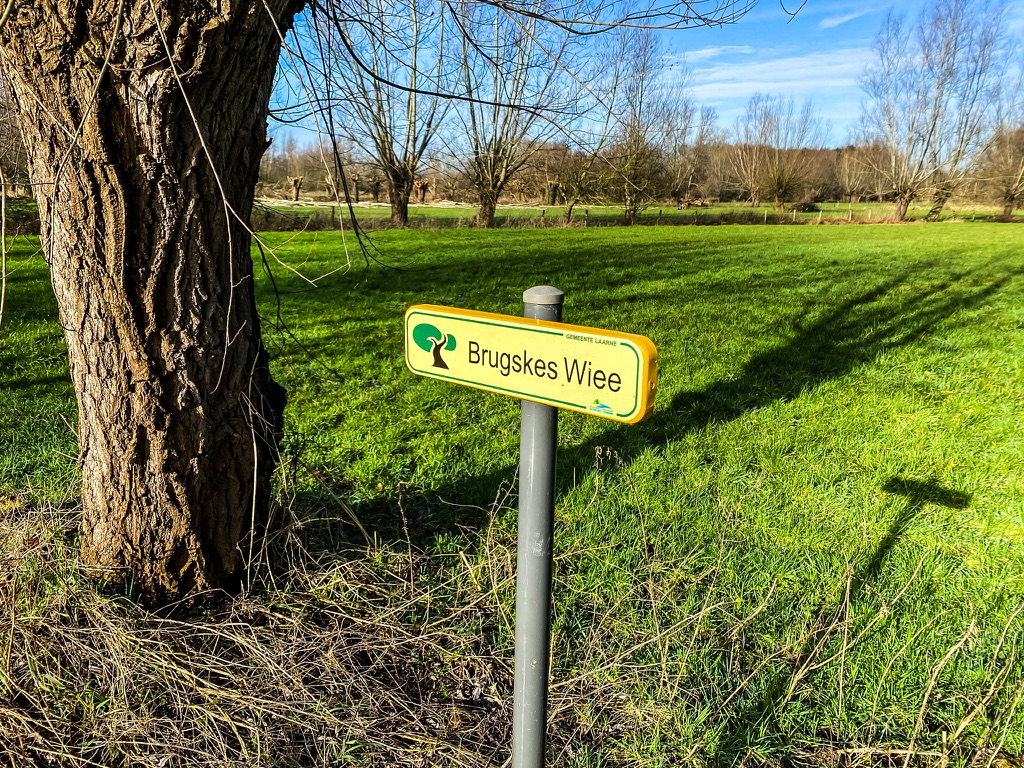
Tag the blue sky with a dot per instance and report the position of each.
(820, 54)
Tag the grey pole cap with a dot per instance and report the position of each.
(543, 294)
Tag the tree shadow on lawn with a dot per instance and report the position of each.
(827, 342)
(753, 733)
(44, 384)
(589, 269)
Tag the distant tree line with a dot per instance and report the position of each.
(544, 116)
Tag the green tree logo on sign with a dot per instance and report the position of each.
(430, 339)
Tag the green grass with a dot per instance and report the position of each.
(811, 552)
(37, 412)
(321, 216)
(829, 396)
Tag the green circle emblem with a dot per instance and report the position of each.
(426, 336)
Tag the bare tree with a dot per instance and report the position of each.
(1001, 168)
(646, 108)
(717, 182)
(852, 173)
(289, 169)
(391, 106)
(13, 159)
(929, 94)
(690, 138)
(145, 122)
(1000, 165)
(514, 79)
(748, 153)
(276, 165)
(769, 160)
(583, 168)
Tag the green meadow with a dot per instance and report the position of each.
(309, 216)
(811, 554)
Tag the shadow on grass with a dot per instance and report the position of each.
(918, 493)
(43, 383)
(825, 343)
(754, 729)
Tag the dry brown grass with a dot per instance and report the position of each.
(374, 658)
(382, 656)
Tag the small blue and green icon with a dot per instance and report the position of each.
(428, 338)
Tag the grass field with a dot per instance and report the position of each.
(812, 554)
(279, 215)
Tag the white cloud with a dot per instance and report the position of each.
(704, 54)
(807, 74)
(1015, 20)
(828, 78)
(835, 21)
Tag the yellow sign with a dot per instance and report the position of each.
(603, 373)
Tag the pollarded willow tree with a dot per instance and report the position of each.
(770, 158)
(391, 105)
(581, 167)
(515, 86)
(644, 109)
(690, 140)
(145, 122)
(930, 95)
(144, 127)
(999, 168)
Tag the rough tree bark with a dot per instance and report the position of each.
(486, 209)
(567, 214)
(422, 187)
(940, 197)
(902, 204)
(400, 181)
(145, 168)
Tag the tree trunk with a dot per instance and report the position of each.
(436, 349)
(486, 209)
(938, 203)
(179, 418)
(567, 215)
(630, 208)
(1008, 206)
(902, 204)
(399, 193)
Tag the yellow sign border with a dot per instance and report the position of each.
(646, 351)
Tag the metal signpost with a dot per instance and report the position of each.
(533, 558)
(548, 365)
